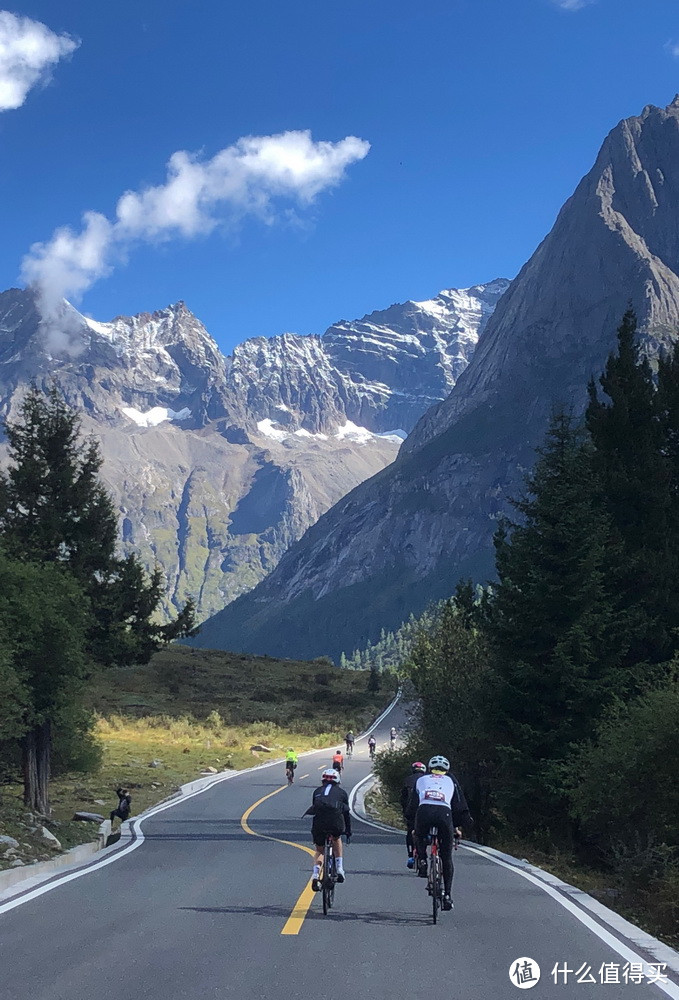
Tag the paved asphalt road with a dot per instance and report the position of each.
(198, 912)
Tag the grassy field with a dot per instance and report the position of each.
(186, 711)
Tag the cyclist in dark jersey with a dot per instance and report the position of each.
(409, 809)
(331, 815)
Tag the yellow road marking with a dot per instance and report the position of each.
(302, 777)
(294, 922)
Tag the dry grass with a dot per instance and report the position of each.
(189, 710)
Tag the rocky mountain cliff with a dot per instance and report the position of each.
(406, 536)
(219, 463)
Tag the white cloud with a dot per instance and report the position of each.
(572, 4)
(672, 48)
(28, 50)
(246, 178)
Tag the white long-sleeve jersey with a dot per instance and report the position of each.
(435, 790)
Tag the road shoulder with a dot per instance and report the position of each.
(598, 918)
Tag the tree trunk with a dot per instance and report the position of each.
(36, 748)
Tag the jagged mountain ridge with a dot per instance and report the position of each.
(219, 463)
(380, 372)
(406, 536)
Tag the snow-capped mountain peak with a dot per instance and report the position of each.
(220, 463)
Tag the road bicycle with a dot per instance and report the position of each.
(435, 885)
(372, 752)
(328, 875)
(435, 874)
(290, 774)
(350, 749)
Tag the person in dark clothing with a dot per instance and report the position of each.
(417, 769)
(122, 811)
(440, 802)
(331, 815)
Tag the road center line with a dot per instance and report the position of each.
(293, 924)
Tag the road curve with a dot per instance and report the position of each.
(215, 904)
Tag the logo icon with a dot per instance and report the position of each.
(524, 973)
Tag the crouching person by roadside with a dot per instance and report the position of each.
(122, 810)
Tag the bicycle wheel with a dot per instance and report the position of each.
(436, 886)
(331, 890)
(327, 878)
(440, 887)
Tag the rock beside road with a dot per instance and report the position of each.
(49, 837)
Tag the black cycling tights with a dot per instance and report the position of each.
(440, 817)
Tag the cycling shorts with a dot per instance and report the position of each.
(322, 826)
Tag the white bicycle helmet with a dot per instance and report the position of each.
(330, 774)
(439, 763)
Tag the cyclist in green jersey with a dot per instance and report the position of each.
(290, 761)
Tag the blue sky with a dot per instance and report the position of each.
(481, 116)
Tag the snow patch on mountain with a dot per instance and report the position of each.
(156, 415)
(269, 429)
(349, 431)
(352, 432)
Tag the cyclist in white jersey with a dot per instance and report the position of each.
(440, 802)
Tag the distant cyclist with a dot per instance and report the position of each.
(349, 740)
(331, 815)
(392, 737)
(409, 808)
(372, 743)
(440, 802)
(290, 762)
(338, 761)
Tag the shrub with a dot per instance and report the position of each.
(214, 722)
(623, 785)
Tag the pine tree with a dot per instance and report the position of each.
(43, 632)
(630, 458)
(449, 666)
(373, 685)
(552, 626)
(55, 511)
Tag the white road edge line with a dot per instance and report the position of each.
(614, 919)
(136, 824)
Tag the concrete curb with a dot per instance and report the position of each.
(652, 949)
(33, 874)
(70, 863)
